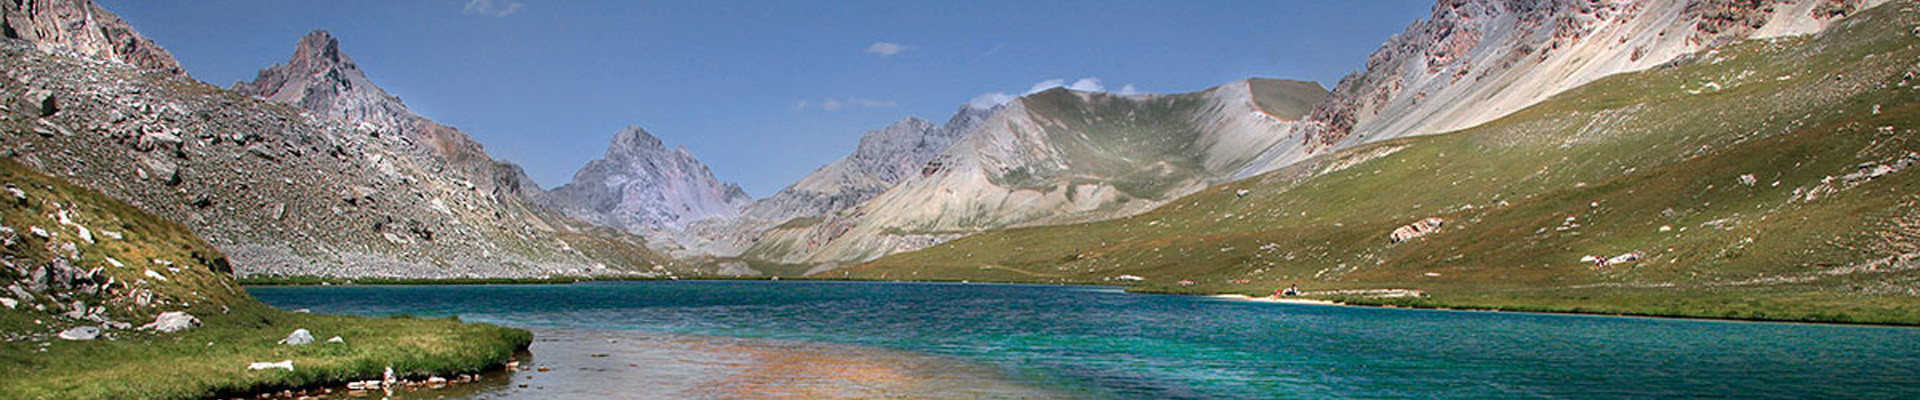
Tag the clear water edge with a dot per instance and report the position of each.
(1092, 342)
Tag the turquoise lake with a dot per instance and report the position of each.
(1015, 341)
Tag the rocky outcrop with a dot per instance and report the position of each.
(640, 185)
(83, 28)
(1473, 61)
(321, 79)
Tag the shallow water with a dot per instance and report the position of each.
(851, 340)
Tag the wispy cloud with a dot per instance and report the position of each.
(990, 52)
(492, 8)
(888, 48)
(1087, 84)
(835, 104)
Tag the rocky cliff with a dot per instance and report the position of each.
(640, 186)
(1473, 61)
(291, 191)
(82, 28)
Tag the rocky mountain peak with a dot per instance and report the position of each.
(318, 48)
(634, 139)
(323, 79)
(641, 185)
(85, 28)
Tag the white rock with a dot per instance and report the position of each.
(156, 275)
(10, 303)
(172, 321)
(283, 364)
(300, 337)
(81, 333)
(336, 339)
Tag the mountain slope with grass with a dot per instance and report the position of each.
(1767, 179)
(84, 274)
(1059, 156)
(1472, 61)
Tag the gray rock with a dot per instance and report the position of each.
(300, 337)
(80, 333)
(43, 102)
(175, 321)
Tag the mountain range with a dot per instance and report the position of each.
(312, 169)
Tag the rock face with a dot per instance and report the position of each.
(351, 184)
(641, 185)
(321, 79)
(1062, 156)
(81, 27)
(1473, 61)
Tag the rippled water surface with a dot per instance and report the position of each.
(816, 340)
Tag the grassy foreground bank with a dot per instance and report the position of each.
(211, 361)
(71, 258)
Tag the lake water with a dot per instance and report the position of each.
(903, 340)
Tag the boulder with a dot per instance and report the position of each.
(80, 333)
(172, 321)
(283, 364)
(1416, 229)
(300, 337)
(42, 101)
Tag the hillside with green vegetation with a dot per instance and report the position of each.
(1767, 179)
(77, 263)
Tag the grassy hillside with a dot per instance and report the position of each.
(1762, 180)
(67, 248)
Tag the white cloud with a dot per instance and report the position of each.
(835, 104)
(1046, 84)
(1087, 84)
(888, 48)
(492, 8)
(990, 100)
(871, 103)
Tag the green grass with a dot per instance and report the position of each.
(1623, 156)
(211, 361)
(202, 362)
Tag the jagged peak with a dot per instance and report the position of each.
(319, 46)
(635, 137)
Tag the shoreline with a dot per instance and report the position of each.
(1127, 289)
(1332, 303)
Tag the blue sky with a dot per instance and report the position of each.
(762, 91)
